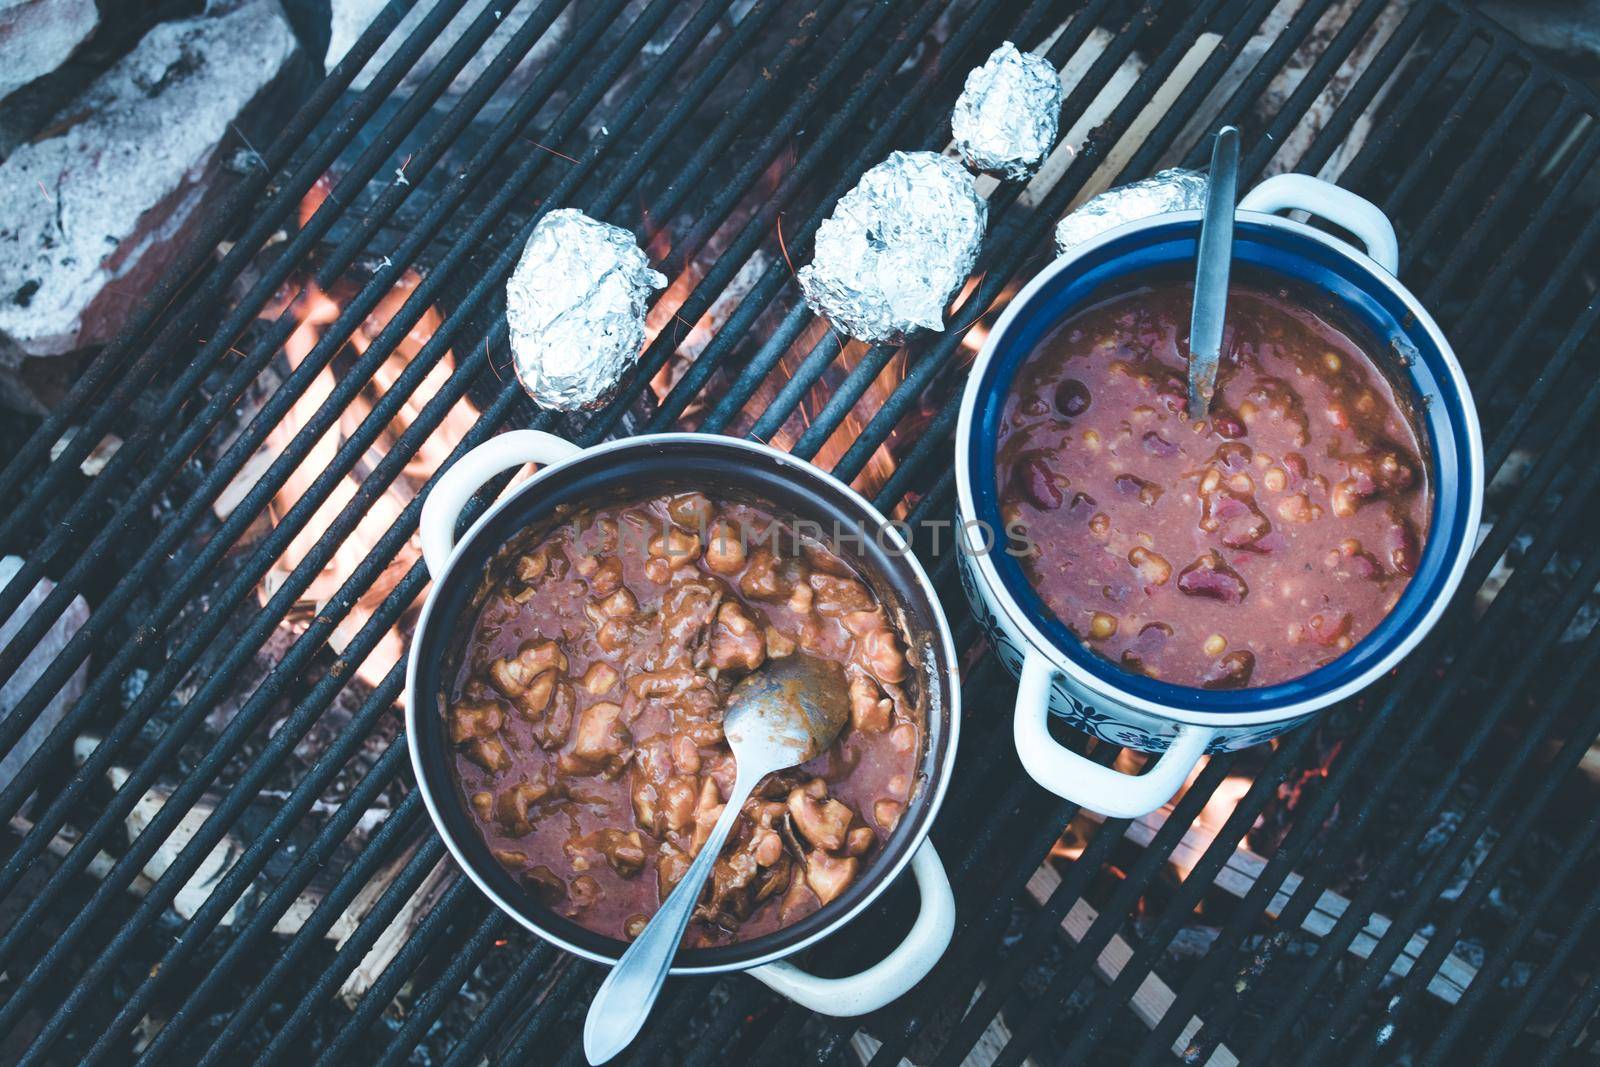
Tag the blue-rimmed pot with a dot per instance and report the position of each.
(570, 477)
(1058, 675)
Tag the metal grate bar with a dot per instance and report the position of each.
(37, 448)
(183, 390)
(770, 215)
(998, 848)
(1445, 863)
(216, 409)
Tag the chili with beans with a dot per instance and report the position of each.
(1242, 551)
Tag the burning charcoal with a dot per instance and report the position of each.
(1005, 119)
(97, 207)
(1168, 190)
(576, 306)
(897, 247)
(40, 35)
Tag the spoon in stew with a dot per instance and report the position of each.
(1211, 272)
(777, 717)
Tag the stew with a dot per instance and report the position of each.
(586, 715)
(1245, 550)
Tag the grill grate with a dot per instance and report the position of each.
(732, 127)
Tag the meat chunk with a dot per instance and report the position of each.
(869, 708)
(828, 875)
(601, 737)
(671, 865)
(725, 549)
(687, 608)
(471, 720)
(736, 641)
(836, 596)
(675, 546)
(513, 805)
(692, 511)
(623, 849)
(513, 675)
(489, 753)
(764, 579)
(731, 877)
(509, 858)
(550, 731)
(824, 823)
(877, 645)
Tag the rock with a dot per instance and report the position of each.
(37, 36)
(350, 19)
(43, 654)
(94, 210)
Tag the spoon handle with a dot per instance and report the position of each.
(624, 999)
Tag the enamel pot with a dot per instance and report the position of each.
(1058, 675)
(570, 478)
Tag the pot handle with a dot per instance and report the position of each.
(1069, 775)
(891, 976)
(467, 475)
(1302, 192)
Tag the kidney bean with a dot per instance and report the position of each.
(1211, 578)
(1148, 492)
(1232, 671)
(1033, 478)
(1157, 445)
(1402, 543)
(1235, 517)
(1072, 398)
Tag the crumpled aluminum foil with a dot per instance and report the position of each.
(576, 306)
(1174, 189)
(1005, 119)
(897, 247)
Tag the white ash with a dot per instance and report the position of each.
(350, 19)
(897, 247)
(37, 36)
(1006, 117)
(44, 653)
(1167, 190)
(89, 217)
(576, 307)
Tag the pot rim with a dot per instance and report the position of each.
(880, 876)
(1021, 620)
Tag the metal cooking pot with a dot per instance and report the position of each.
(572, 477)
(1058, 674)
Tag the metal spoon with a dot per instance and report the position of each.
(1211, 272)
(776, 718)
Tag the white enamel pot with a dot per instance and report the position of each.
(569, 478)
(1057, 674)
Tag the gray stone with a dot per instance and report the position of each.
(90, 215)
(43, 654)
(350, 19)
(37, 36)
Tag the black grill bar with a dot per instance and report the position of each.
(170, 286)
(992, 837)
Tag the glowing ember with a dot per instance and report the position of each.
(315, 310)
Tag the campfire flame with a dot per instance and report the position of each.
(315, 309)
